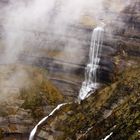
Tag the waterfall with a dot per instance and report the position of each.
(33, 132)
(91, 84)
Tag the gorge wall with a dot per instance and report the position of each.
(55, 74)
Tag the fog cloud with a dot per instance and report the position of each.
(39, 26)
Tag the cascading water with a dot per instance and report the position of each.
(33, 132)
(90, 83)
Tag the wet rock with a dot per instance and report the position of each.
(111, 109)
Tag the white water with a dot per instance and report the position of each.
(90, 84)
(33, 132)
(108, 136)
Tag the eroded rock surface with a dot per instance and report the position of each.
(114, 109)
(26, 96)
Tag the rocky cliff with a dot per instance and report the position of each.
(113, 111)
(55, 76)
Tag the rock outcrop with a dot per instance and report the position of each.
(52, 76)
(112, 110)
(26, 96)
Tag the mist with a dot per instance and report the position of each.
(30, 26)
(26, 20)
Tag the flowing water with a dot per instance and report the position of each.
(33, 132)
(91, 84)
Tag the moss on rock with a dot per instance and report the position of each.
(114, 108)
(26, 93)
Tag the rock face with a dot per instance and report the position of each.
(26, 96)
(66, 55)
(62, 62)
(114, 109)
(128, 35)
